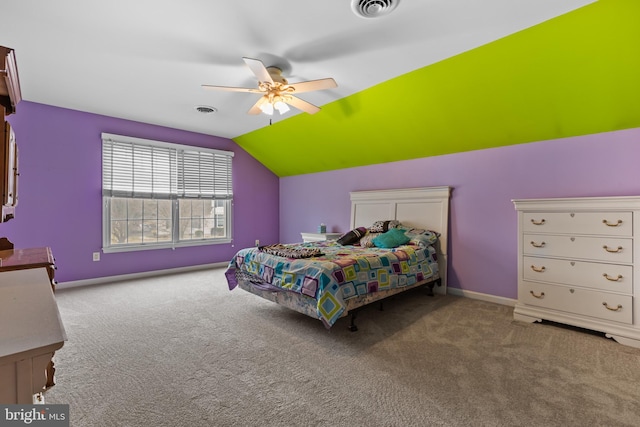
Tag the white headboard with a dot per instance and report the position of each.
(425, 207)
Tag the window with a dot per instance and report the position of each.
(158, 195)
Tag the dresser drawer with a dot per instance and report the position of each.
(597, 223)
(601, 305)
(606, 277)
(608, 249)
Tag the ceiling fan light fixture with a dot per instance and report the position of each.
(267, 108)
(373, 8)
(281, 107)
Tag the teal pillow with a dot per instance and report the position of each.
(391, 239)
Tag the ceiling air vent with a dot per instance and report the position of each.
(204, 109)
(373, 8)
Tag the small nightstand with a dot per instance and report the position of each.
(319, 237)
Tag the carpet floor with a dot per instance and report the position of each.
(182, 350)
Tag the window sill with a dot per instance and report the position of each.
(148, 247)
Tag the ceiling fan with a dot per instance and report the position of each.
(276, 91)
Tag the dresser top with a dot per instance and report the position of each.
(586, 203)
(17, 259)
(29, 316)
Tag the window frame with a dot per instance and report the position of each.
(175, 197)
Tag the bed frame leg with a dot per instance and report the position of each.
(352, 325)
(431, 285)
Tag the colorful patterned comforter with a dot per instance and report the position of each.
(342, 272)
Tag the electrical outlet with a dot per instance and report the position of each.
(96, 256)
(257, 242)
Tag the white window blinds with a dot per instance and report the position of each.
(204, 174)
(133, 167)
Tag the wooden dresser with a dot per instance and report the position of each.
(577, 262)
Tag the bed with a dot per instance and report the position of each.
(327, 280)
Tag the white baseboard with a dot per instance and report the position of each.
(109, 279)
(483, 297)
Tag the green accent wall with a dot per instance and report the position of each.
(576, 74)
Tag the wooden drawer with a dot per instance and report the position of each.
(607, 249)
(597, 223)
(578, 301)
(606, 277)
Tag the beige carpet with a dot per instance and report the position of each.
(181, 350)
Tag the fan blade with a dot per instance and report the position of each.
(232, 89)
(256, 107)
(258, 68)
(312, 85)
(305, 106)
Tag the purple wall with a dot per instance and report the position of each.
(60, 195)
(60, 202)
(483, 224)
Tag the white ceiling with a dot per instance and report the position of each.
(145, 60)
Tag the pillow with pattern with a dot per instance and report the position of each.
(352, 237)
(421, 237)
(367, 240)
(384, 226)
(391, 239)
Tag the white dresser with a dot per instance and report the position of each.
(577, 259)
(30, 332)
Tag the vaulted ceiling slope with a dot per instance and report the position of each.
(573, 75)
(145, 60)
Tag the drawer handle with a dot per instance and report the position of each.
(538, 296)
(618, 308)
(539, 245)
(534, 222)
(613, 279)
(615, 224)
(613, 251)
(539, 270)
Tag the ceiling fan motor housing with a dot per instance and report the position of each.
(276, 75)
